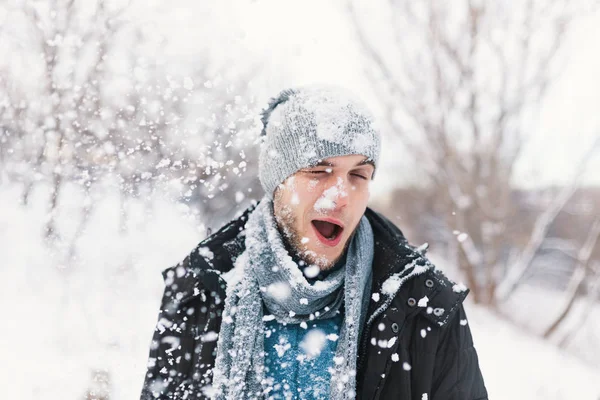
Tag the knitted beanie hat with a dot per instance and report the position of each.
(305, 125)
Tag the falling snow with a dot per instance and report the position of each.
(147, 154)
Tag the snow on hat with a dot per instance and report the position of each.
(304, 125)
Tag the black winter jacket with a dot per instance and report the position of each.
(431, 358)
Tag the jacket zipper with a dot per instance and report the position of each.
(380, 386)
(364, 339)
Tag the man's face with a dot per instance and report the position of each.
(318, 208)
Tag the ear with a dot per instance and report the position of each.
(278, 192)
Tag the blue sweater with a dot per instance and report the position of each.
(298, 358)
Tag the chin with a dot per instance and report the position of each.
(317, 258)
(323, 260)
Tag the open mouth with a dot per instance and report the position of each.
(328, 231)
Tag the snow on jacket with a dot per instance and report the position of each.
(419, 348)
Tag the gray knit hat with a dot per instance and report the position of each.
(305, 125)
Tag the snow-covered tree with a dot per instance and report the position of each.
(99, 103)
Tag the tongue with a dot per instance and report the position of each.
(325, 228)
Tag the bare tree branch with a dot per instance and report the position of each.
(542, 225)
(578, 278)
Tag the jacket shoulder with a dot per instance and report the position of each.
(447, 298)
(200, 270)
(225, 244)
(443, 295)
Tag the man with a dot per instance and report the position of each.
(311, 294)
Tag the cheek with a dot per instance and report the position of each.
(359, 198)
(299, 204)
(295, 199)
(312, 185)
(360, 191)
(291, 196)
(306, 193)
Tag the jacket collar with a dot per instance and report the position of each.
(217, 253)
(431, 294)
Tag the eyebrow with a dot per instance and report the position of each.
(322, 163)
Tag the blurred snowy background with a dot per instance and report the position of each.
(128, 129)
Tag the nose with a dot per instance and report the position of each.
(334, 197)
(342, 197)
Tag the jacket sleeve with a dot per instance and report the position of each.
(156, 382)
(456, 374)
(172, 344)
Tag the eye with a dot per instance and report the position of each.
(360, 176)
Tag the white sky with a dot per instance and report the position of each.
(310, 41)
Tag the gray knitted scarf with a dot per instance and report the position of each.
(265, 274)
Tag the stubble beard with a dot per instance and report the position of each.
(287, 221)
